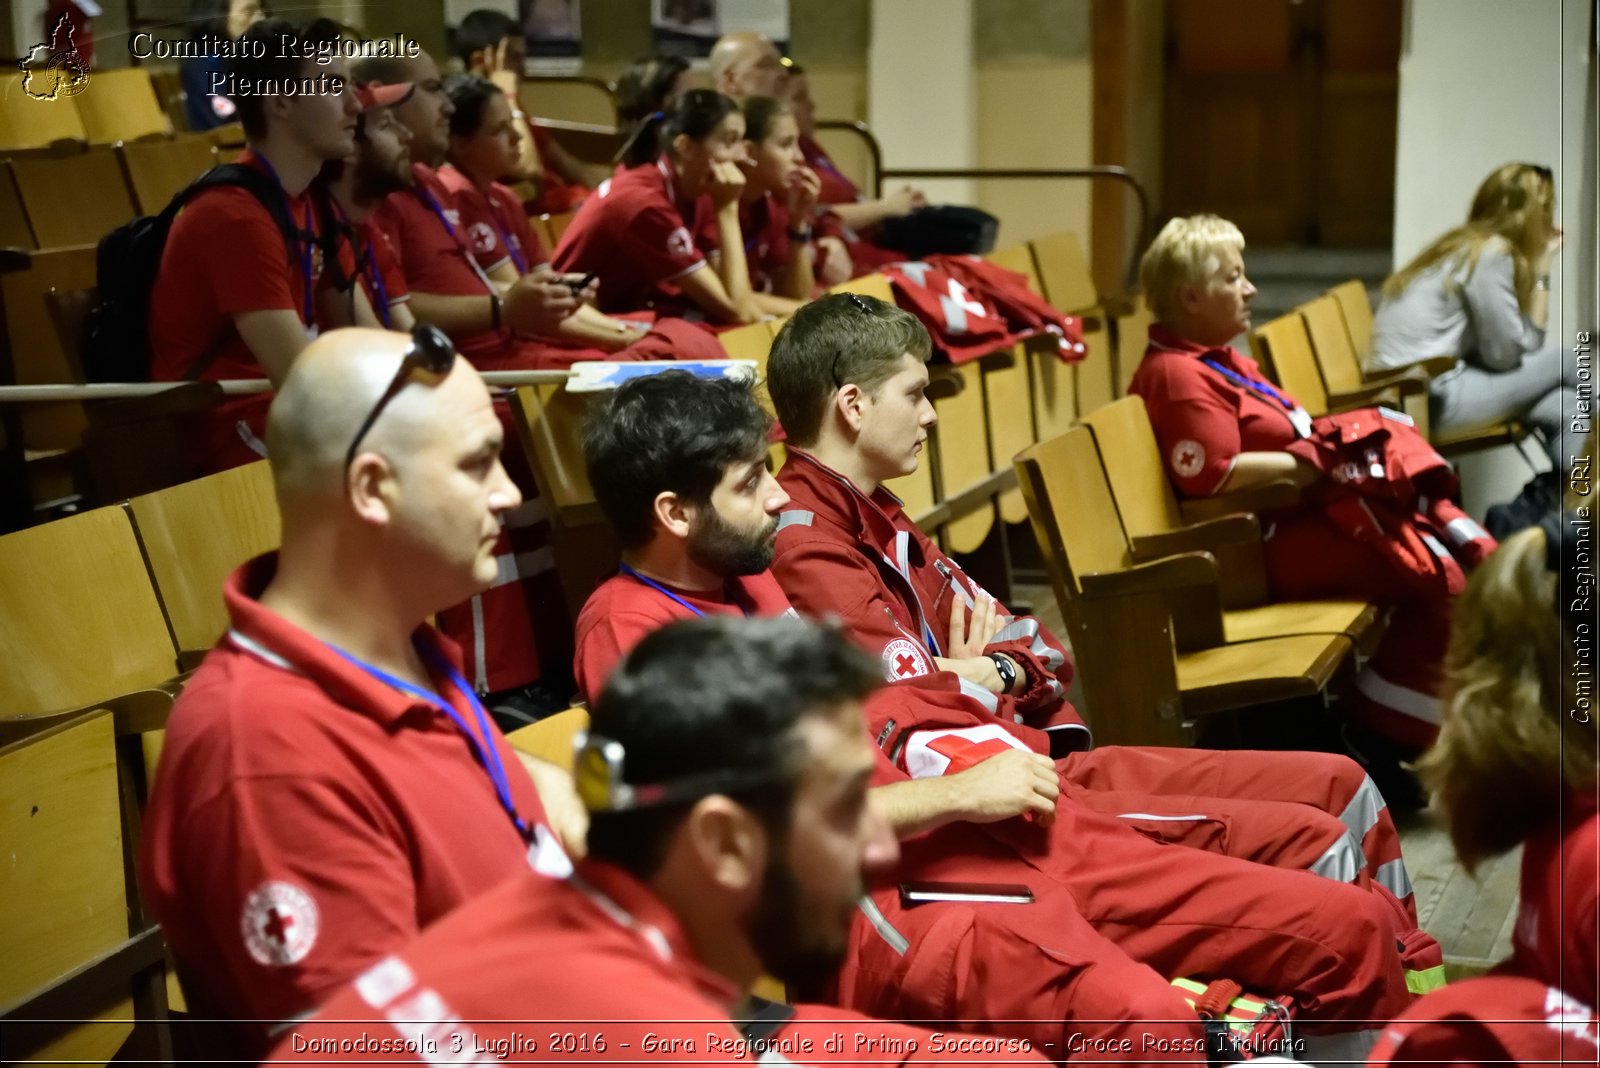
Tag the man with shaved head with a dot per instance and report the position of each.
(330, 783)
(746, 64)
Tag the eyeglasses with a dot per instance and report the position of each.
(431, 351)
(866, 309)
(597, 776)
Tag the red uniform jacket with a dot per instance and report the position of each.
(1557, 939)
(843, 554)
(1493, 1020)
(971, 308)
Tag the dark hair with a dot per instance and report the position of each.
(720, 693)
(644, 87)
(760, 113)
(695, 114)
(470, 93)
(842, 338)
(481, 29)
(207, 20)
(284, 49)
(671, 432)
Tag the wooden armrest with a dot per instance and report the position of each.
(999, 359)
(1116, 306)
(14, 259)
(1093, 322)
(1366, 397)
(1205, 536)
(1167, 573)
(1408, 382)
(143, 711)
(1432, 367)
(944, 383)
(1263, 498)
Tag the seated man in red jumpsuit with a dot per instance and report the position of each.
(1223, 427)
(678, 465)
(329, 783)
(234, 297)
(726, 772)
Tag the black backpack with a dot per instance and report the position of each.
(116, 334)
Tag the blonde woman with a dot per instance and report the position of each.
(1481, 293)
(1516, 757)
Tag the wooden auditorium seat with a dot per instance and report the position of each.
(958, 451)
(192, 536)
(1070, 288)
(1154, 527)
(1146, 679)
(1007, 400)
(121, 105)
(157, 170)
(1133, 336)
(558, 225)
(72, 199)
(1341, 371)
(26, 123)
(551, 739)
(1283, 349)
(1356, 312)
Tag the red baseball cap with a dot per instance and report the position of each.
(377, 95)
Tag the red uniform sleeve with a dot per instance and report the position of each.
(603, 641)
(660, 244)
(234, 232)
(288, 927)
(1196, 426)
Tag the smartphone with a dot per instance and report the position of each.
(990, 893)
(580, 286)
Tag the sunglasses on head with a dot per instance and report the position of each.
(866, 309)
(431, 351)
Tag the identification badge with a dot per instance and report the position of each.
(1301, 420)
(1396, 417)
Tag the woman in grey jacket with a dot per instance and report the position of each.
(1481, 293)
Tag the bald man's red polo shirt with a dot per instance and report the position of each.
(307, 818)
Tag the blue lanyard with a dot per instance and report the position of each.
(653, 584)
(304, 240)
(482, 740)
(444, 220)
(506, 239)
(379, 290)
(1250, 383)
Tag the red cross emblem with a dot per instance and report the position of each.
(904, 659)
(279, 923)
(1188, 458)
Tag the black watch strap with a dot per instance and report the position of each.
(1008, 672)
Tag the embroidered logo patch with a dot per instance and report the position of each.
(279, 923)
(679, 243)
(1188, 458)
(481, 236)
(904, 659)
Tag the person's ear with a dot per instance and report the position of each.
(728, 844)
(673, 514)
(850, 404)
(370, 488)
(1190, 296)
(682, 146)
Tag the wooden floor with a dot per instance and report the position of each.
(1472, 917)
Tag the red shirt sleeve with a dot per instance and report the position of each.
(230, 229)
(1196, 425)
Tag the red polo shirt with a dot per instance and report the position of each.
(308, 818)
(1557, 938)
(494, 224)
(622, 610)
(764, 225)
(225, 256)
(636, 234)
(592, 968)
(381, 276)
(1203, 419)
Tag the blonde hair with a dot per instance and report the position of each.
(1517, 203)
(1187, 252)
(1507, 749)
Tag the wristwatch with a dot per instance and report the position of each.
(802, 234)
(1542, 283)
(1008, 673)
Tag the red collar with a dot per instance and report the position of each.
(834, 496)
(632, 905)
(1164, 339)
(260, 632)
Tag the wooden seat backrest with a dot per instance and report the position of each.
(1330, 343)
(73, 199)
(962, 454)
(1133, 336)
(868, 285)
(551, 739)
(1283, 350)
(121, 105)
(62, 886)
(1132, 460)
(1073, 509)
(79, 619)
(26, 122)
(37, 355)
(1357, 308)
(1064, 272)
(157, 170)
(194, 534)
(558, 226)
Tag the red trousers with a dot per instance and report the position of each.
(1398, 692)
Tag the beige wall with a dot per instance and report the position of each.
(1034, 112)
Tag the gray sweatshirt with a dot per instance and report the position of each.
(1449, 311)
